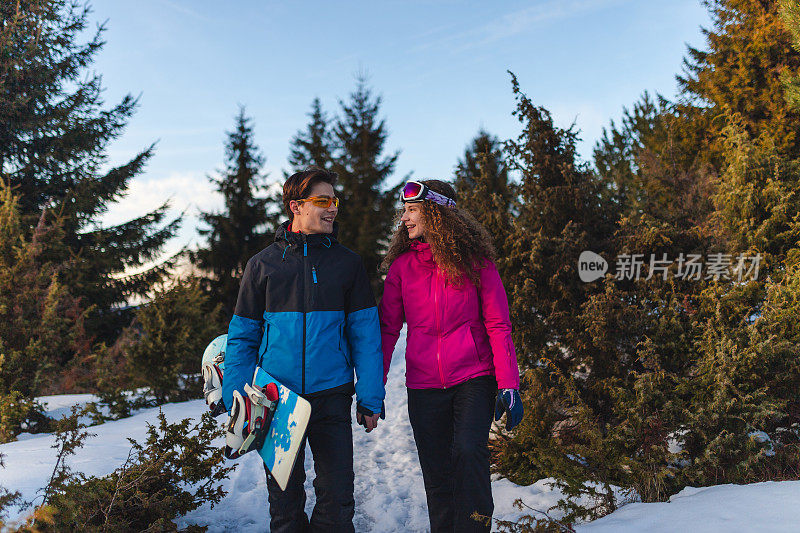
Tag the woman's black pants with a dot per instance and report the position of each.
(451, 429)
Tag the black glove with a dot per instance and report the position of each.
(361, 410)
(509, 402)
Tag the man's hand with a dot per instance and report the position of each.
(367, 418)
(369, 422)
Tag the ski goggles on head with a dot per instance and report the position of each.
(415, 191)
(320, 201)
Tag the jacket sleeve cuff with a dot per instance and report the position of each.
(361, 409)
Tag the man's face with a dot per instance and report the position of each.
(309, 218)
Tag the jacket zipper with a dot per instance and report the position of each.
(438, 329)
(305, 298)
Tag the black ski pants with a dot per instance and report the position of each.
(330, 435)
(451, 429)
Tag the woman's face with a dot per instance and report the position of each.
(412, 218)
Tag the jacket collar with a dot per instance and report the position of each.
(316, 239)
(422, 250)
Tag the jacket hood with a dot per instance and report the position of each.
(315, 239)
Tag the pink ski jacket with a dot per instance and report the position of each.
(454, 334)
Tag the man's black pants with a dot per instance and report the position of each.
(330, 435)
(451, 429)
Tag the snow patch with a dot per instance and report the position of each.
(769, 506)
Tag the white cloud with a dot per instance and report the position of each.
(519, 21)
(186, 10)
(516, 22)
(186, 191)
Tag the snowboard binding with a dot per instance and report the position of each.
(212, 384)
(248, 425)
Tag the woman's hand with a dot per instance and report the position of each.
(509, 402)
(369, 422)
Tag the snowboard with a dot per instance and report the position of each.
(289, 420)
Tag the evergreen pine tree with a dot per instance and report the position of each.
(312, 147)
(41, 323)
(742, 423)
(558, 216)
(790, 17)
(597, 390)
(471, 165)
(616, 153)
(171, 330)
(243, 228)
(680, 381)
(655, 163)
(740, 72)
(481, 181)
(54, 134)
(657, 167)
(367, 210)
(744, 386)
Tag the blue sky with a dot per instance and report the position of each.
(440, 67)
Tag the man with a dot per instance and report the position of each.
(306, 314)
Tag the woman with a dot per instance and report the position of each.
(443, 283)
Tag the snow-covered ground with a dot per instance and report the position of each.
(388, 487)
(771, 506)
(58, 406)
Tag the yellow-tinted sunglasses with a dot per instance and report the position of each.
(320, 201)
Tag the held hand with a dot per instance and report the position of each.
(367, 418)
(509, 402)
(369, 422)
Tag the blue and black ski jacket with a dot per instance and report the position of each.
(306, 314)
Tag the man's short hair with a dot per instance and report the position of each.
(299, 185)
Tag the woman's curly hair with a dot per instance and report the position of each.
(458, 242)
